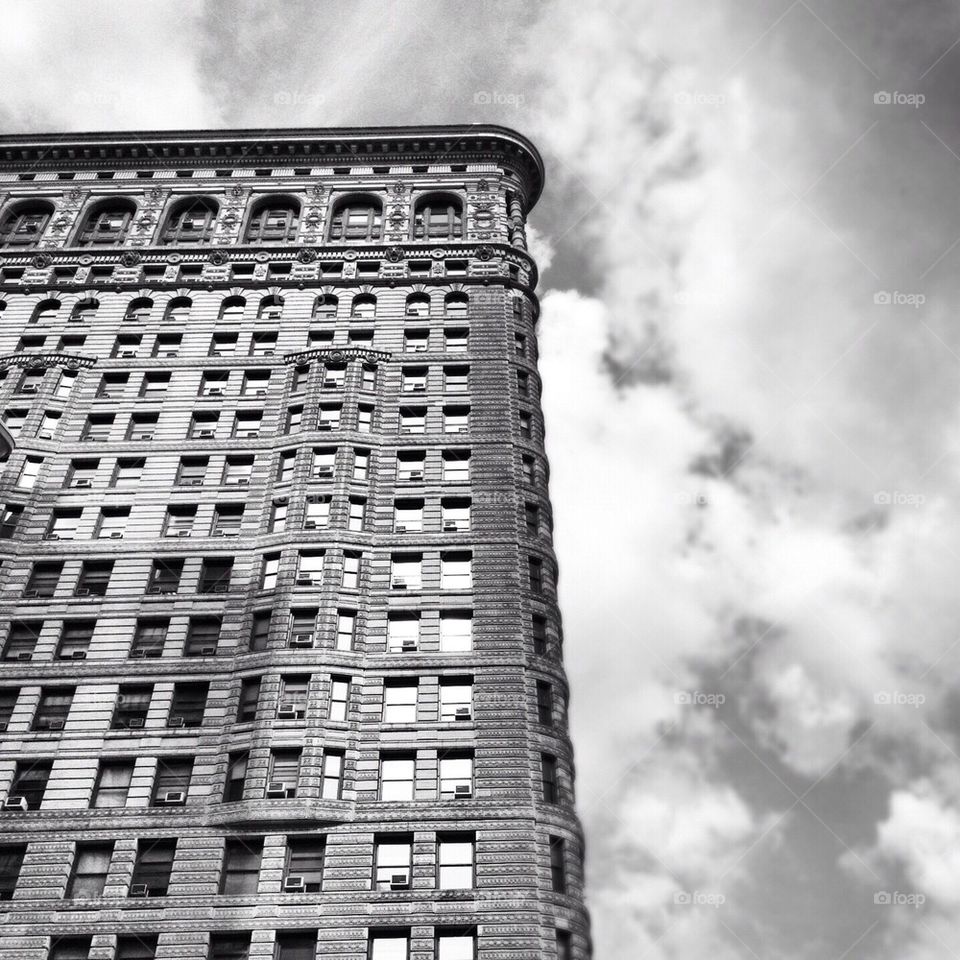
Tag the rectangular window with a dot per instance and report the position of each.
(112, 524)
(558, 874)
(132, 705)
(351, 570)
(548, 777)
(152, 868)
(455, 514)
(456, 945)
(329, 418)
(455, 860)
(192, 471)
(389, 945)
(149, 637)
(43, 581)
(113, 784)
(227, 520)
(331, 783)
(410, 466)
(304, 868)
(29, 783)
(241, 866)
(11, 861)
(346, 629)
(545, 703)
(535, 571)
(310, 568)
(358, 507)
(455, 379)
(203, 426)
(94, 578)
(456, 699)
(284, 773)
(223, 345)
(97, 428)
(413, 420)
(247, 424)
(397, 777)
(294, 690)
(455, 340)
(69, 948)
(237, 471)
(9, 518)
(22, 639)
(89, 874)
(456, 571)
(249, 700)
(172, 783)
(255, 383)
(236, 776)
(408, 516)
(339, 699)
(189, 704)
(539, 625)
(456, 776)
(456, 466)
(271, 569)
(365, 412)
(63, 524)
(48, 425)
(405, 571)
(400, 703)
(317, 513)
(456, 419)
(361, 464)
(392, 862)
(29, 472)
(8, 701)
(53, 708)
(138, 946)
(229, 946)
(203, 636)
(215, 573)
(167, 345)
(263, 344)
(260, 630)
(323, 464)
(178, 521)
(297, 945)
(403, 632)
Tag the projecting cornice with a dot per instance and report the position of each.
(332, 146)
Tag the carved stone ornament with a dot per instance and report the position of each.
(307, 255)
(61, 224)
(395, 254)
(41, 261)
(483, 185)
(74, 195)
(349, 254)
(484, 253)
(228, 219)
(154, 194)
(317, 190)
(218, 257)
(438, 253)
(174, 257)
(86, 260)
(262, 257)
(236, 190)
(399, 188)
(130, 258)
(312, 220)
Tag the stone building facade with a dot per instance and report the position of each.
(281, 655)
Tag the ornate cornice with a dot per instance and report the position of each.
(68, 360)
(333, 355)
(336, 146)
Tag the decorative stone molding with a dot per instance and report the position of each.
(67, 360)
(333, 355)
(41, 261)
(307, 255)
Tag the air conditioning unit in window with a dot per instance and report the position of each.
(83, 483)
(309, 524)
(408, 646)
(16, 803)
(216, 588)
(3, 727)
(82, 592)
(462, 791)
(183, 533)
(260, 393)
(305, 581)
(248, 434)
(451, 525)
(156, 588)
(127, 354)
(399, 881)
(324, 425)
(415, 475)
(78, 655)
(139, 890)
(135, 723)
(462, 713)
(116, 534)
(176, 722)
(242, 481)
(24, 656)
(206, 434)
(52, 536)
(144, 436)
(52, 725)
(294, 885)
(173, 798)
(331, 384)
(29, 388)
(302, 640)
(208, 651)
(215, 391)
(323, 473)
(277, 788)
(191, 482)
(286, 711)
(398, 583)
(419, 388)
(31, 593)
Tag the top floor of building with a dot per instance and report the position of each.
(261, 188)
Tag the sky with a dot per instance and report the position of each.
(749, 245)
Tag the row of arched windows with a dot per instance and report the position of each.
(273, 219)
(326, 306)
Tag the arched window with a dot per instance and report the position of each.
(190, 221)
(273, 220)
(139, 309)
(178, 310)
(438, 217)
(107, 223)
(271, 308)
(25, 223)
(231, 310)
(84, 310)
(418, 305)
(455, 305)
(364, 306)
(325, 307)
(45, 311)
(357, 218)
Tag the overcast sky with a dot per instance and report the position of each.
(750, 349)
